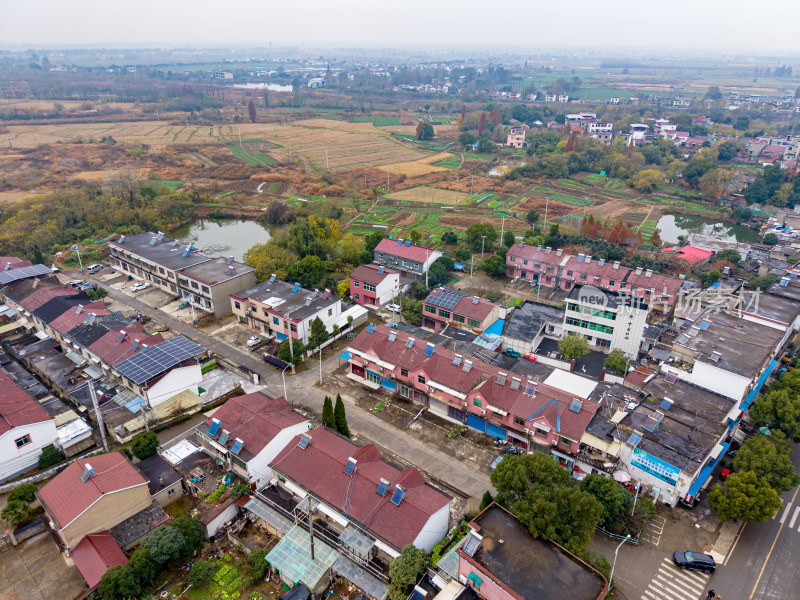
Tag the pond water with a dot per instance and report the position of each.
(673, 225)
(223, 237)
(274, 87)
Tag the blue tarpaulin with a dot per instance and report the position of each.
(281, 337)
(496, 328)
(759, 384)
(705, 473)
(459, 266)
(346, 355)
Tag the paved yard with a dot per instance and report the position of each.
(36, 570)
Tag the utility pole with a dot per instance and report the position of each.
(457, 175)
(311, 528)
(471, 265)
(291, 345)
(426, 268)
(483, 243)
(472, 186)
(98, 415)
(502, 228)
(76, 248)
(546, 206)
(327, 165)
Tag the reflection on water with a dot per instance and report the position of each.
(273, 87)
(223, 237)
(673, 225)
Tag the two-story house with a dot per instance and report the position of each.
(410, 260)
(181, 270)
(445, 306)
(374, 285)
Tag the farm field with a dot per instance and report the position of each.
(423, 166)
(427, 194)
(256, 158)
(379, 121)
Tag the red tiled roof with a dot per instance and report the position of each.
(17, 407)
(71, 318)
(256, 419)
(41, 296)
(412, 252)
(693, 255)
(638, 377)
(95, 554)
(66, 496)
(370, 274)
(113, 351)
(319, 468)
(13, 262)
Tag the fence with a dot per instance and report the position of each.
(633, 539)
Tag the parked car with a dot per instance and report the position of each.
(496, 461)
(694, 561)
(395, 308)
(93, 268)
(140, 285)
(75, 282)
(512, 353)
(85, 287)
(253, 341)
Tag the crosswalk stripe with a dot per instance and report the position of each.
(678, 584)
(690, 574)
(647, 592)
(785, 512)
(676, 594)
(689, 579)
(794, 517)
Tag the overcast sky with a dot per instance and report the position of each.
(726, 25)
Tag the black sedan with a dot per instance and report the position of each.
(694, 561)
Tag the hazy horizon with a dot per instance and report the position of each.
(643, 26)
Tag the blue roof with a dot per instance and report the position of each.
(706, 472)
(496, 328)
(759, 384)
(459, 266)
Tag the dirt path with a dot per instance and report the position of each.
(650, 212)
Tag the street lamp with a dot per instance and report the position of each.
(483, 242)
(76, 248)
(283, 376)
(611, 578)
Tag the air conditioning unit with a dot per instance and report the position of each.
(554, 442)
(526, 430)
(483, 411)
(463, 404)
(392, 375)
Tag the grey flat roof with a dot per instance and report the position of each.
(533, 568)
(293, 304)
(743, 345)
(775, 307)
(612, 299)
(215, 271)
(527, 320)
(166, 253)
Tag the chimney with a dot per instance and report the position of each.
(616, 265)
(559, 252)
(638, 270)
(648, 273)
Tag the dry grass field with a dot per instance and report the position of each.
(428, 194)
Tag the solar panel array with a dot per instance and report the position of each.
(457, 359)
(155, 360)
(530, 389)
(634, 439)
(671, 377)
(666, 404)
(472, 544)
(410, 342)
(515, 383)
(576, 405)
(392, 336)
(224, 437)
(212, 431)
(7, 277)
(447, 300)
(704, 324)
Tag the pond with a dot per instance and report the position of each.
(223, 237)
(273, 87)
(673, 225)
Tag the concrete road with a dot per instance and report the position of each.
(763, 563)
(36, 570)
(302, 392)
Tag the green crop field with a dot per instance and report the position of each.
(378, 121)
(251, 159)
(173, 184)
(451, 162)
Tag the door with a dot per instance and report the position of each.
(476, 423)
(495, 431)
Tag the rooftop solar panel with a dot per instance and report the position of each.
(272, 278)
(392, 336)
(224, 437)
(383, 487)
(576, 405)
(429, 349)
(704, 324)
(671, 377)
(158, 359)
(530, 389)
(212, 431)
(304, 441)
(634, 439)
(666, 404)
(350, 467)
(397, 495)
(457, 359)
(237, 447)
(471, 545)
(12, 275)
(447, 300)
(410, 342)
(515, 383)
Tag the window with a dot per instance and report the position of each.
(430, 309)
(421, 378)
(358, 296)
(243, 320)
(369, 287)
(583, 276)
(170, 492)
(23, 441)
(478, 403)
(237, 305)
(541, 432)
(513, 259)
(239, 462)
(355, 284)
(474, 323)
(564, 441)
(444, 313)
(569, 273)
(458, 318)
(611, 283)
(276, 321)
(293, 328)
(374, 378)
(524, 262)
(404, 372)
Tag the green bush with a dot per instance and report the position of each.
(25, 492)
(201, 572)
(258, 566)
(50, 456)
(144, 445)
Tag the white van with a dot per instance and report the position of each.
(93, 268)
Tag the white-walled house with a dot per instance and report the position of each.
(174, 382)
(374, 285)
(248, 432)
(25, 429)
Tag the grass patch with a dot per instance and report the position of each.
(451, 162)
(251, 159)
(171, 184)
(379, 121)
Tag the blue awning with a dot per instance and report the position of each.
(759, 384)
(281, 337)
(346, 355)
(705, 472)
(459, 266)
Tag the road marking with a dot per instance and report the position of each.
(681, 586)
(794, 517)
(736, 541)
(671, 583)
(786, 512)
(766, 560)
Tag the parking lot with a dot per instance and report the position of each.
(36, 570)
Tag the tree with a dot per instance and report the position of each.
(258, 566)
(318, 334)
(144, 444)
(614, 498)
(467, 139)
(532, 217)
(516, 473)
(486, 500)
(485, 145)
(415, 237)
(710, 277)
(742, 123)
(309, 270)
(118, 583)
(251, 111)
(729, 255)
(16, 513)
(647, 180)
(509, 238)
(343, 288)
(328, 420)
(267, 259)
(201, 571)
(418, 290)
(769, 458)
(463, 254)
(495, 266)
(143, 566)
(437, 274)
(406, 570)
(770, 239)
(285, 354)
(745, 497)
(616, 361)
(714, 92)
(450, 237)
(698, 166)
(573, 345)
(26, 492)
(482, 123)
(474, 236)
(424, 131)
(194, 532)
(50, 456)
(412, 310)
(655, 239)
(763, 282)
(779, 407)
(727, 150)
(164, 544)
(340, 417)
(351, 248)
